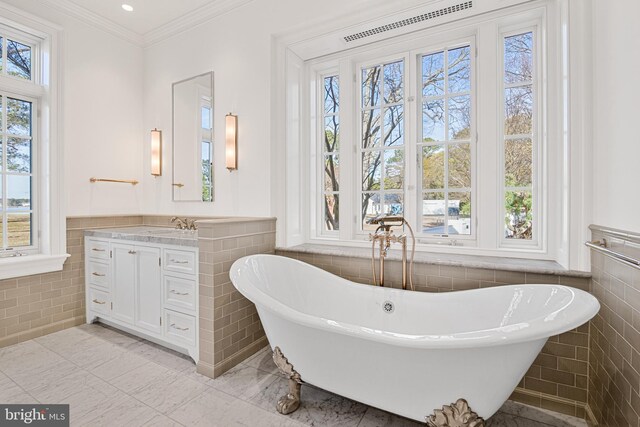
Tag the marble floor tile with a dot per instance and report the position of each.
(168, 392)
(318, 407)
(243, 381)
(121, 364)
(56, 386)
(541, 415)
(110, 334)
(125, 411)
(88, 403)
(26, 356)
(163, 356)
(10, 392)
(502, 419)
(162, 421)
(140, 377)
(263, 360)
(377, 418)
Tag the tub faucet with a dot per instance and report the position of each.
(385, 236)
(184, 223)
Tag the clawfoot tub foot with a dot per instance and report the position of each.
(291, 401)
(455, 415)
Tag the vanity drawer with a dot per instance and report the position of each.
(99, 274)
(180, 328)
(180, 293)
(180, 261)
(98, 249)
(99, 301)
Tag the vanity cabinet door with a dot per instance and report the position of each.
(124, 281)
(149, 290)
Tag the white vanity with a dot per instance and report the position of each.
(144, 280)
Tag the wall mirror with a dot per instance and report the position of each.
(193, 139)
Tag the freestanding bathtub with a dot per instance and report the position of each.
(406, 352)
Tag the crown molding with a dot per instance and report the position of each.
(191, 19)
(96, 20)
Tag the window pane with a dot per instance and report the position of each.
(18, 192)
(371, 128)
(459, 211)
(331, 95)
(518, 58)
(433, 120)
(394, 204)
(517, 162)
(393, 82)
(371, 208)
(19, 229)
(371, 87)
(331, 173)
(394, 126)
(371, 170)
(460, 117)
(519, 214)
(19, 155)
(331, 133)
(459, 73)
(518, 109)
(433, 74)
(18, 117)
(1, 61)
(18, 59)
(394, 169)
(460, 166)
(1, 105)
(332, 212)
(433, 213)
(206, 118)
(433, 167)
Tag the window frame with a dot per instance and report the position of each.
(27, 39)
(35, 175)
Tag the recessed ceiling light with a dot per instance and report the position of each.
(127, 7)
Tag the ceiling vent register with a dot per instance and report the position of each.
(409, 21)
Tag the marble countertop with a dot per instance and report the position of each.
(148, 234)
(454, 260)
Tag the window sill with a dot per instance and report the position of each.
(29, 265)
(453, 260)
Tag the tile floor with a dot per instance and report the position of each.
(114, 379)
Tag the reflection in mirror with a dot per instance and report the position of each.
(193, 139)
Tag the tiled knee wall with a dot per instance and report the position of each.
(230, 329)
(558, 378)
(614, 368)
(40, 304)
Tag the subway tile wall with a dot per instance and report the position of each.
(558, 378)
(41, 304)
(230, 329)
(614, 366)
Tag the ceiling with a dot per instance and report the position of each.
(147, 15)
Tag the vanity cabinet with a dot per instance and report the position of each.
(146, 289)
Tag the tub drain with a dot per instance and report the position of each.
(388, 307)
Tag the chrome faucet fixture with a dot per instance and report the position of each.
(385, 236)
(184, 223)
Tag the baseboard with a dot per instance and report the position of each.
(231, 361)
(41, 331)
(553, 403)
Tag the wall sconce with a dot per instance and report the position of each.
(231, 137)
(156, 152)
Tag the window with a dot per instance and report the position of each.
(330, 153)
(32, 220)
(442, 128)
(16, 172)
(206, 149)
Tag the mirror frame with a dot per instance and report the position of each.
(173, 138)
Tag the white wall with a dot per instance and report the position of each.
(616, 114)
(237, 47)
(102, 113)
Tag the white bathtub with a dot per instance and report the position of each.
(431, 350)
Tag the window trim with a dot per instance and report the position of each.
(48, 91)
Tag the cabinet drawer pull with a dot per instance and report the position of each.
(98, 274)
(98, 250)
(173, 325)
(132, 252)
(175, 261)
(99, 302)
(173, 291)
